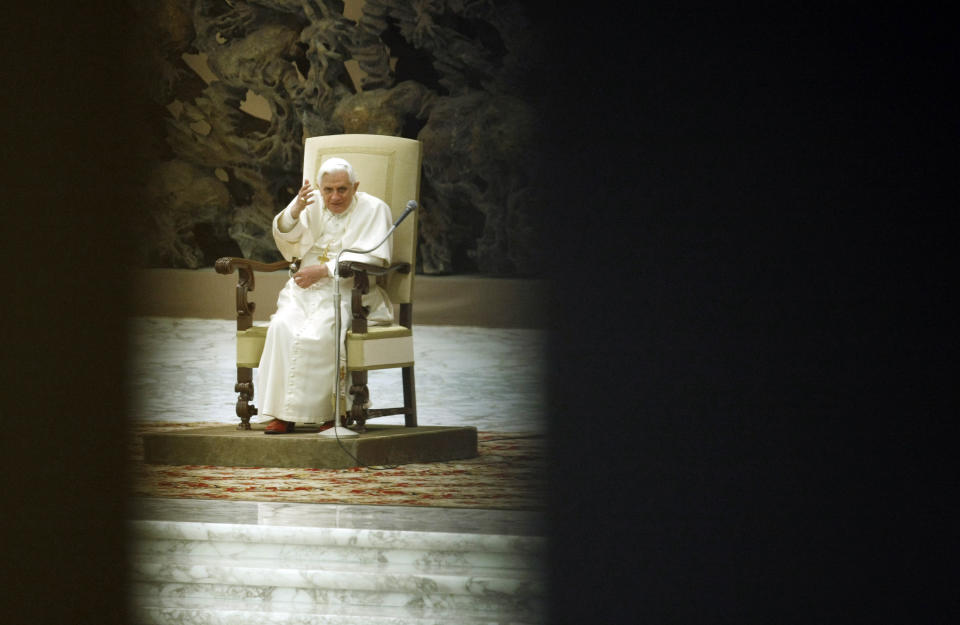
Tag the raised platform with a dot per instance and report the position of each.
(226, 446)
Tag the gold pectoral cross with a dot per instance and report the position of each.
(325, 254)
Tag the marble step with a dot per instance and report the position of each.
(298, 556)
(156, 599)
(155, 616)
(215, 572)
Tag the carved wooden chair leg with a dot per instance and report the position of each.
(409, 398)
(361, 397)
(358, 419)
(244, 387)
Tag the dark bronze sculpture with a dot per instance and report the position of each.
(453, 74)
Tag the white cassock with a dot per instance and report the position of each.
(296, 374)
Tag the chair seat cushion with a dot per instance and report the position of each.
(250, 346)
(380, 347)
(380, 332)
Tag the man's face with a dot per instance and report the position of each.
(337, 192)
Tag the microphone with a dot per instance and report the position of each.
(411, 205)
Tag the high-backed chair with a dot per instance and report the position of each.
(389, 168)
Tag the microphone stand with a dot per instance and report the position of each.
(337, 430)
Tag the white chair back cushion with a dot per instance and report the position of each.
(389, 168)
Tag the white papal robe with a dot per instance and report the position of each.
(295, 379)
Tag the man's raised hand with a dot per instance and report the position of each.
(304, 199)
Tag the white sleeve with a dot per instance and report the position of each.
(285, 223)
(290, 242)
(285, 226)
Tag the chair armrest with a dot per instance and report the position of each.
(228, 264)
(245, 282)
(348, 267)
(361, 273)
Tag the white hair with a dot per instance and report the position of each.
(332, 165)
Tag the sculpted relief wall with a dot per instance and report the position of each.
(237, 85)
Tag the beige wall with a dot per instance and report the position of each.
(438, 300)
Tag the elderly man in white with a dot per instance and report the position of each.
(296, 372)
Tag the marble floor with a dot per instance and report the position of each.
(183, 371)
(489, 378)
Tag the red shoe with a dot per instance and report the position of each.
(278, 426)
(326, 426)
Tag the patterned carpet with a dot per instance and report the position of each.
(507, 474)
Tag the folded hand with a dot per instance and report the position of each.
(308, 276)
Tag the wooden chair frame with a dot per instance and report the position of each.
(361, 273)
